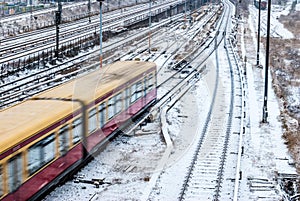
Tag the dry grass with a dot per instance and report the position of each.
(292, 23)
(285, 70)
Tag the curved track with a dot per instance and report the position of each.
(206, 172)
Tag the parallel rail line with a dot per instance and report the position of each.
(203, 166)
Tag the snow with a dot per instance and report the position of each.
(147, 156)
(184, 132)
(264, 156)
(265, 152)
(297, 7)
(294, 100)
(277, 29)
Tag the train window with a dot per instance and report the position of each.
(127, 97)
(133, 94)
(33, 159)
(111, 107)
(1, 181)
(150, 83)
(102, 114)
(48, 149)
(77, 128)
(118, 103)
(63, 138)
(139, 89)
(41, 153)
(92, 120)
(15, 172)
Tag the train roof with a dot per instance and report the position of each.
(25, 119)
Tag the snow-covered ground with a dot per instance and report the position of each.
(264, 156)
(265, 153)
(277, 29)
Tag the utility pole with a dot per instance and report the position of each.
(31, 9)
(265, 109)
(258, 34)
(57, 23)
(100, 34)
(185, 12)
(190, 12)
(149, 26)
(170, 13)
(89, 10)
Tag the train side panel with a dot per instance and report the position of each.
(50, 174)
(101, 134)
(137, 94)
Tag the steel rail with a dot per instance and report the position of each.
(204, 131)
(8, 96)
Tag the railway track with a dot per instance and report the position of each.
(205, 175)
(27, 85)
(183, 85)
(17, 56)
(23, 42)
(222, 121)
(24, 87)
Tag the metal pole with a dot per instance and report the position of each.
(100, 34)
(31, 9)
(236, 10)
(185, 11)
(57, 23)
(265, 109)
(190, 13)
(170, 13)
(89, 9)
(258, 34)
(149, 26)
(57, 33)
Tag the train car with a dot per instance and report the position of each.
(263, 4)
(43, 139)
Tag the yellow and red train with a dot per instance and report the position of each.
(42, 139)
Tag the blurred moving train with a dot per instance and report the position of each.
(263, 4)
(42, 140)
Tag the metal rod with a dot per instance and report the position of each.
(265, 109)
(100, 34)
(89, 9)
(258, 33)
(149, 26)
(191, 10)
(57, 23)
(185, 11)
